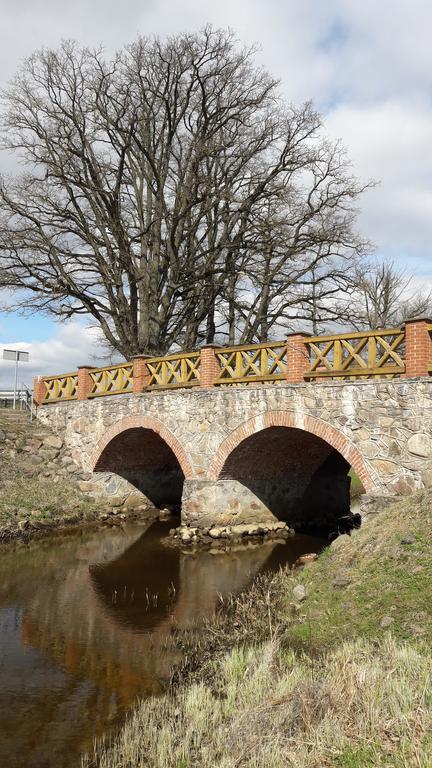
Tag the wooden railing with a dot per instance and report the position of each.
(63, 387)
(364, 354)
(252, 362)
(387, 353)
(178, 370)
(111, 380)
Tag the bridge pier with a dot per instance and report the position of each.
(206, 503)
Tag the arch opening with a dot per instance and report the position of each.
(292, 475)
(144, 460)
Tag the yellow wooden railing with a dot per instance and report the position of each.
(178, 370)
(368, 354)
(111, 380)
(363, 354)
(63, 387)
(252, 362)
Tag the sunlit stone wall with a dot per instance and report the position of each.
(381, 428)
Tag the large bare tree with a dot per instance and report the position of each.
(170, 195)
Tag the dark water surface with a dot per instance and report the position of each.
(85, 623)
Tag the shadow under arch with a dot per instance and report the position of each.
(146, 454)
(310, 424)
(293, 468)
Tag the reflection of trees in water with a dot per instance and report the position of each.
(43, 715)
(102, 625)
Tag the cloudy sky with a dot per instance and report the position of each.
(367, 65)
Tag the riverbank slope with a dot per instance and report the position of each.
(40, 483)
(329, 665)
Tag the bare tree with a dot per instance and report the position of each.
(170, 195)
(383, 297)
(302, 252)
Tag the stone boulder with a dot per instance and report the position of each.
(300, 593)
(420, 444)
(53, 441)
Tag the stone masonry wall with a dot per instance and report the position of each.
(382, 428)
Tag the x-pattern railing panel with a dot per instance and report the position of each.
(111, 380)
(369, 353)
(62, 387)
(182, 370)
(262, 362)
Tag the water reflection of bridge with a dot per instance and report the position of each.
(97, 635)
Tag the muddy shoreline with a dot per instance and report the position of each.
(72, 523)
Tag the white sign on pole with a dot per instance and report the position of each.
(18, 357)
(15, 354)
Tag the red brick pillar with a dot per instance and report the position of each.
(85, 384)
(297, 357)
(141, 374)
(209, 365)
(39, 390)
(418, 347)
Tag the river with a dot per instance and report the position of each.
(86, 623)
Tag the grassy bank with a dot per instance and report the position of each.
(37, 492)
(337, 672)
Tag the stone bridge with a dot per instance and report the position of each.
(253, 434)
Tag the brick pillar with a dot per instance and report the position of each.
(141, 374)
(209, 366)
(39, 390)
(85, 383)
(297, 357)
(418, 347)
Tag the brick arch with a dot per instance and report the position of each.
(315, 426)
(145, 422)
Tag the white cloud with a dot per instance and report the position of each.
(390, 143)
(385, 51)
(73, 345)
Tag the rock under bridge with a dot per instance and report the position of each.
(264, 443)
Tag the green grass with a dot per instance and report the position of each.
(383, 577)
(356, 487)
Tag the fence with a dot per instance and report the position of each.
(23, 399)
(376, 354)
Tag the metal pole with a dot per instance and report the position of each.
(16, 379)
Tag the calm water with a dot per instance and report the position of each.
(85, 628)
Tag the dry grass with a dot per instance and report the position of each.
(361, 705)
(26, 495)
